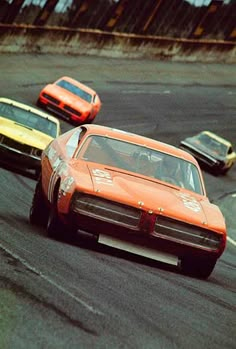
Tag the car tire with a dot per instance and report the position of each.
(39, 104)
(201, 268)
(37, 173)
(38, 211)
(225, 171)
(55, 227)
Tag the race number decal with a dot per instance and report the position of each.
(102, 177)
(190, 202)
(51, 153)
(66, 185)
(59, 169)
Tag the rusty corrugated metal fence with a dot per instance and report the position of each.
(169, 18)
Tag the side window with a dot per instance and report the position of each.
(72, 142)
(94, 98)
(230, 150)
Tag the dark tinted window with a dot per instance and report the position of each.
(75, 90)
(28, 119)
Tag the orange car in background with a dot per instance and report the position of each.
(132, 193)
(70, 100)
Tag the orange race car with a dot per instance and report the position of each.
(132, 193)
(71, 100)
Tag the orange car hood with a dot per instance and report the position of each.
(23, 134)
(152, 195)
(68, 97)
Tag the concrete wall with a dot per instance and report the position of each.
(35, 39)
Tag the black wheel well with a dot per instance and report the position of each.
(56, 190)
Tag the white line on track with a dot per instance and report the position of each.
(231, 241)
(150, 92)
(55, 284)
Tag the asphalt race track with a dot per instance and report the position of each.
(59, 295)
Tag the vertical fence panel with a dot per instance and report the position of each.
(45, 13)
(96, 14)
(229, 23)
(150, 15)
(186, 17)
(207, 20)
(116, 15)
(87, 14)
(12, 11)
(165, 17)
(171, 18)
(132, 15)
(78, 13)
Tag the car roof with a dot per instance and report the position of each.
(216, 137)
(77, 83)
(140, 140)
(31, 109)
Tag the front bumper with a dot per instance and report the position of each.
(63, 111)
(143, 229)
(18, 159)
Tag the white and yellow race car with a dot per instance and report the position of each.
(212, 152)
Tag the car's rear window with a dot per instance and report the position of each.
(212, 145)
(75, 90)
(142, 160)
(28, 119)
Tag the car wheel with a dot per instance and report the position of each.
(223, 172)
(201, 268)
(55, 227)
(38, 210)
(39, 104)
(37, 173)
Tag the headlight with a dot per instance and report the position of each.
(36, 152)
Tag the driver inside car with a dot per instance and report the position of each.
(169, 171)
(144, 165)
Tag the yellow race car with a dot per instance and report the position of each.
(213, 152)
(24, 133)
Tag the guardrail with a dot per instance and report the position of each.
(163, 29)
(43, 39)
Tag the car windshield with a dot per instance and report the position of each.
(75, 90)
(212, 145)
(142, 161)
(28, 119)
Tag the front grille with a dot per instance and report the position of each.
(11, 143)
(71, 110)
(65, 112)
(106, 210)
(21, 147)
(187, 234)
(51, 99)
(58, 111)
